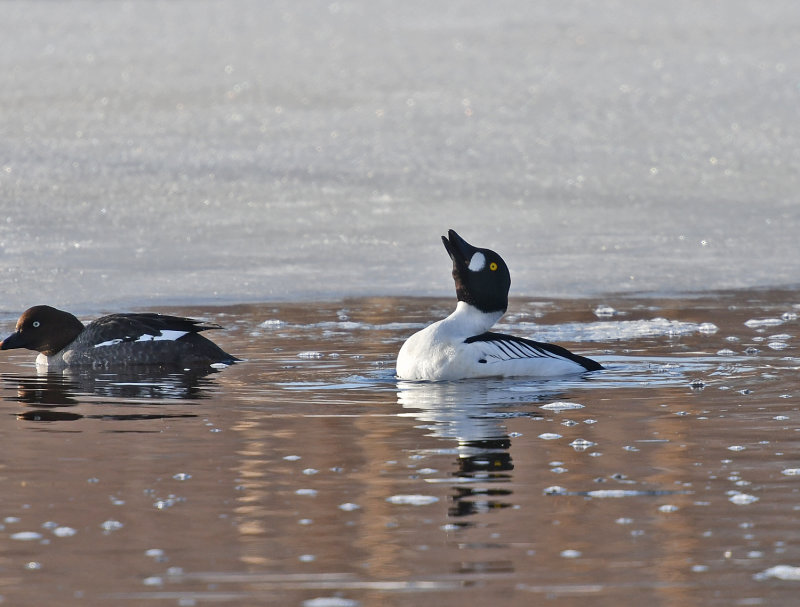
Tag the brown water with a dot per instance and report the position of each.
(309, 476)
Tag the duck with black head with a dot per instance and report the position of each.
(461, 345)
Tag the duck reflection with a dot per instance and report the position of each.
(472, 414)
(48, 394)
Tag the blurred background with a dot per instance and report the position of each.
(200, 152)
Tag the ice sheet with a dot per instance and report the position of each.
(156, 152)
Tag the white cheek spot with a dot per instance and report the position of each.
(163, 336)
(477, 263)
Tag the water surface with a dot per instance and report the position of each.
(308, 475)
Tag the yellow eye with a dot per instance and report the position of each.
(493, 266)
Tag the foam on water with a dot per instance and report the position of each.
(611, 330)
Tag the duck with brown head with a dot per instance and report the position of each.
(116, 340)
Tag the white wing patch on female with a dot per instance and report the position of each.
(163, 335)
(111, 342)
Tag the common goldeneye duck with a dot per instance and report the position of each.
(461, 345)
(115, 340)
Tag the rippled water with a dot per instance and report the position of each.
(308, 475)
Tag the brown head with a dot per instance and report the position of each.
(44, 329)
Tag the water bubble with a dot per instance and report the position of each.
(182, 476)
(707, 328)
(736, 448)
(26, 536)
(154, 553)
(412, 500)
(272, 323)
(726, 352)
(581, 444)
(292, 458)
(33, 566)
(570, 554)
(111, 525)
(561, 406)
(791, 472)
(311, 355)
(310, 471)
(549, 436)
(349, 507)
(555, 490)
(742, 499)
(153, 580)
(667, 508)
(306, 558)
(604, 311)
(757, 323)
(64, 531)
(613, 493)
(331, 601)
(309, 492)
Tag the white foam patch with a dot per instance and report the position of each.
(604, 330)
(478, 262)
(781, 572)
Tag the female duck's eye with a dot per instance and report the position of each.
(493, 266)
(35, 324)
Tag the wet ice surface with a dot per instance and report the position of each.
(299, 479)
(252, 150)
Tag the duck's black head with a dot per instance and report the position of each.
(481, 276)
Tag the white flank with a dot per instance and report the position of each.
(477, 262)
